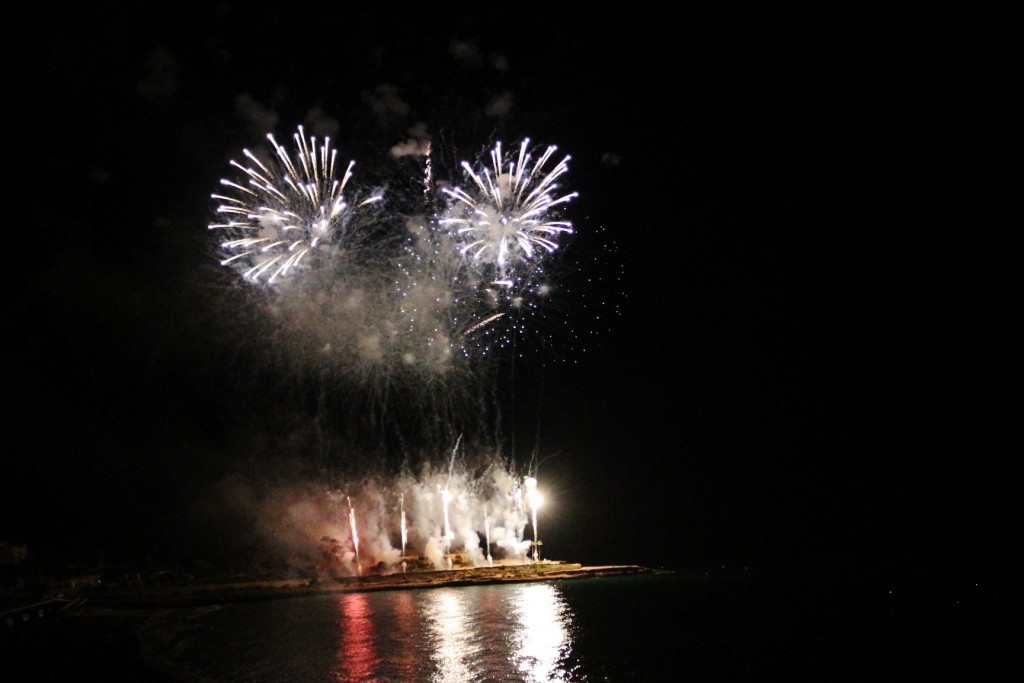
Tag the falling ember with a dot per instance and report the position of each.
(428, 176)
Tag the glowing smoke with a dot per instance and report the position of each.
(308, 526)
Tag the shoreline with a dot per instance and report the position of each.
(206, 594)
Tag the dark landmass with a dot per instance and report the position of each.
(212, 593)
(144, 595)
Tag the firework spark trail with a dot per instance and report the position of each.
(483, 323)
(404, 526)
(281, 215)
(355, 533)
(439, 512)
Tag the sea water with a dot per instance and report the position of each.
(652, 627)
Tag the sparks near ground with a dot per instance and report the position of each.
(436, 518)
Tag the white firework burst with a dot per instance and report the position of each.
(283, 209)
(510, 217)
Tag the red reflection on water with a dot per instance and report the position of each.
(404, 658)
(357, 656)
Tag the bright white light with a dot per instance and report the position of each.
(510, 216)
(456, 645)
(535, 499)
(541, 635)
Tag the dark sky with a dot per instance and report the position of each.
(808, 216)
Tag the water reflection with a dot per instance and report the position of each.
(542, 636)
(447, 635)
(456, 645)
(534, 632)
(357, 659)
(404, 655)
(478, 635)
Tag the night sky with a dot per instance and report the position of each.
(806, 208)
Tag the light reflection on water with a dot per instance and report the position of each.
(357, 656)
(455, 641)
(491, 633)
(541, 637)
(519, 632)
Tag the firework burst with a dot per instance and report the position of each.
(509, 217)
(503, 227)
(406, 310)
(285, 209)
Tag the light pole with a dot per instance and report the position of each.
(535, 499)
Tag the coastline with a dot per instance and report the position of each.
(191, 595)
